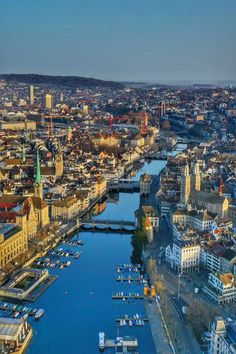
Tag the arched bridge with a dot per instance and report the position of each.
(108, 225)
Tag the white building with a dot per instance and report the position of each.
(221, 287)
(183, 256)
(223, 337)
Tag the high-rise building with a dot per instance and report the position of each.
(185, 186)
(32, 94)
(49, 101)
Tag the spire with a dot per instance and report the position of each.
(38, 172)
(23, 154)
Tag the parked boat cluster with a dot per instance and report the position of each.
(16, 311)
(129, 268)
(138, 280)
(53, 257)
(136, 320)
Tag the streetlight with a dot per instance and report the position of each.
(179, 276)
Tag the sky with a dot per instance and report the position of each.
(122, 40)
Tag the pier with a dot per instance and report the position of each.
(125, 343)
(127, 297)
(130, 279)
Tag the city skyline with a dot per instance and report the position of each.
(163, 41)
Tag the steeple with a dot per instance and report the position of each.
(38, 190)
(38, 171)
(185, 185)
(23, 154)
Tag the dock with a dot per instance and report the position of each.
(131, 279)
(125, 343)
(130, 296)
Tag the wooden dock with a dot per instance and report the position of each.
(130, 279)
(131, 319)
(127, 297)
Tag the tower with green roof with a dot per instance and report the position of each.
(38, 180)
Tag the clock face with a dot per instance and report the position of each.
(37, 185)
(58, 158)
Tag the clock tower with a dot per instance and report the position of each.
(59, 166)
(38, 187)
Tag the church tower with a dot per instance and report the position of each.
(59, 166)
(38, 189)
(185, 186)
(196, 178)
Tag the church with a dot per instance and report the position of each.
(192, 194)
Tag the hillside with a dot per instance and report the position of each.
(65, 81)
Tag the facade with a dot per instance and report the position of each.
(223, 337)
(18, 125)
(48, 101)
(200, 220)
(145, 184)
(221, 287)
(13, 243)
(212, 202)
(183, 256)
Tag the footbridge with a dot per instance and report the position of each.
(108, 225)
(125, 185)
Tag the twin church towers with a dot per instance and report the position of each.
(190, 182)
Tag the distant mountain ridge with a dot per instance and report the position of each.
(65, 81)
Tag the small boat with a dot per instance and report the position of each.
(130, 323)
(39, 314)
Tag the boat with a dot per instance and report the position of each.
(101, 340)
(39, 314)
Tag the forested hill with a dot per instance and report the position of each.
(65, 81)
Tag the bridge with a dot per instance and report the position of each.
(108, 225)
(125, 185)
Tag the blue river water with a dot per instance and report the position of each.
(78, 305)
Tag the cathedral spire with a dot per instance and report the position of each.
(38, 172)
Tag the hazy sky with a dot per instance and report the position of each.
(120, 39)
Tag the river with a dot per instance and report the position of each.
(78, 305)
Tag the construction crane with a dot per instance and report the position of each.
(48, 122)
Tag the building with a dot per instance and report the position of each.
(200, 220)
(183, 256)
(13, 243)
(145, 184)
(223, 337)
(18, 125)
(32, 95)
(211, 201)
(221, 287)
(48, 101)
(15, 335)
